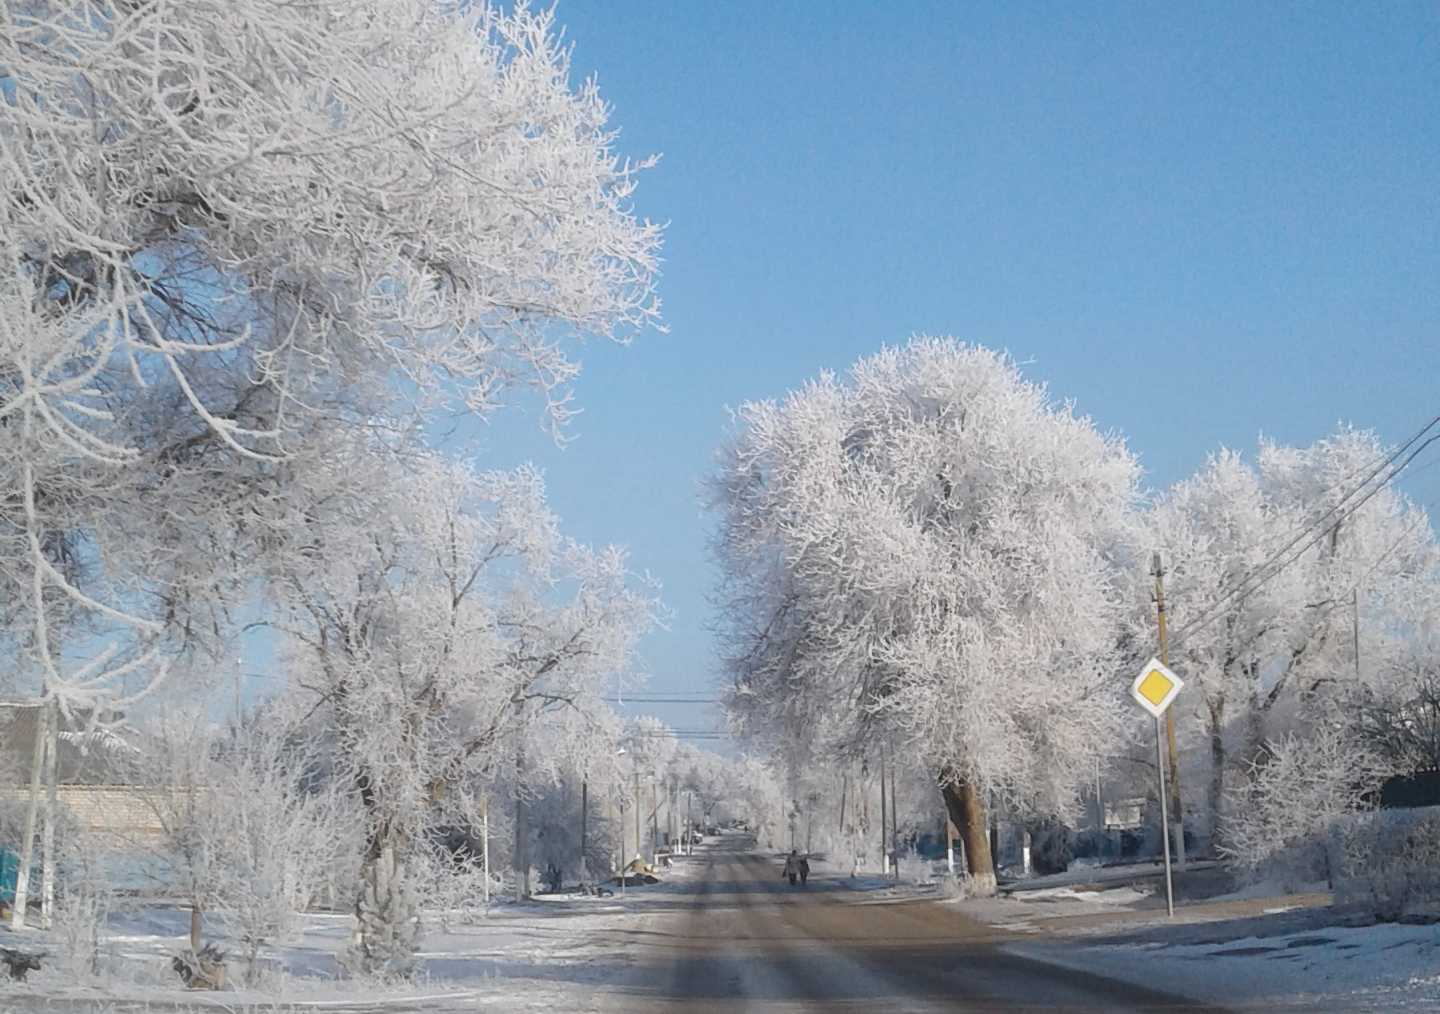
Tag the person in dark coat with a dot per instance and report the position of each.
(804, 869)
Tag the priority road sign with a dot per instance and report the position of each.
(1155, 688)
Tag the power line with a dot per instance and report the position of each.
(1421, 517)
(1316, 529)
(1257, 576)
(679, 733)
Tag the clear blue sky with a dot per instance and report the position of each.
(1200, 224)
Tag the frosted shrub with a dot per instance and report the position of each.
(1281, 821)
(1389, 862)
(453, 887)
(82, 909)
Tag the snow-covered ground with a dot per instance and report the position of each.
(1253, 946)
(1327, 968)
(547, 954)
(524, 956)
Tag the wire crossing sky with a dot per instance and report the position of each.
(1202, 224)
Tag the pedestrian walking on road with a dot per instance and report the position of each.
(804, 870)
(792, 868)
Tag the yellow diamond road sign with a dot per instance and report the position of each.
(1155, 688)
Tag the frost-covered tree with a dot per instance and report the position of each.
(1214, 530)
(931, 551)
(571, 761)
(707, 777)
(227, 224)
(248, 832)
(1260, 654)
(651, 749)
(758, 793)
(434, 618)
(283, 832)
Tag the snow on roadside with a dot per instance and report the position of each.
(538, 955)
(1257, 945)
(1371, 968)
(1114, 896)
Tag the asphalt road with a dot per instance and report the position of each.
(747, 941)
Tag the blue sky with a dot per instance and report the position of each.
(1201, 224)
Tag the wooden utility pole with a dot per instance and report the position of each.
(584, 827)
(894, 820)
(884, 828)
(620, 802)
(1177, 817)
(1355, 628)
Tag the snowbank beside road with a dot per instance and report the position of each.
(1371, 968)
(1250, 947)
(521, 957)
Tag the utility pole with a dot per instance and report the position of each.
(639, 806)
(1177, 816)
(994, 830)
(584, 826)
(894, 821)
(1354, 627)
(47, 829)
(884, 829)
(522, 829)
(1099, 800)
(620, 789)
(485, 843)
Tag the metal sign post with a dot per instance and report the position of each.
(1164, 817)
(1155, 689)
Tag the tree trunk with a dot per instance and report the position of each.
(195, 927)
(387, 930)
(967, 812)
